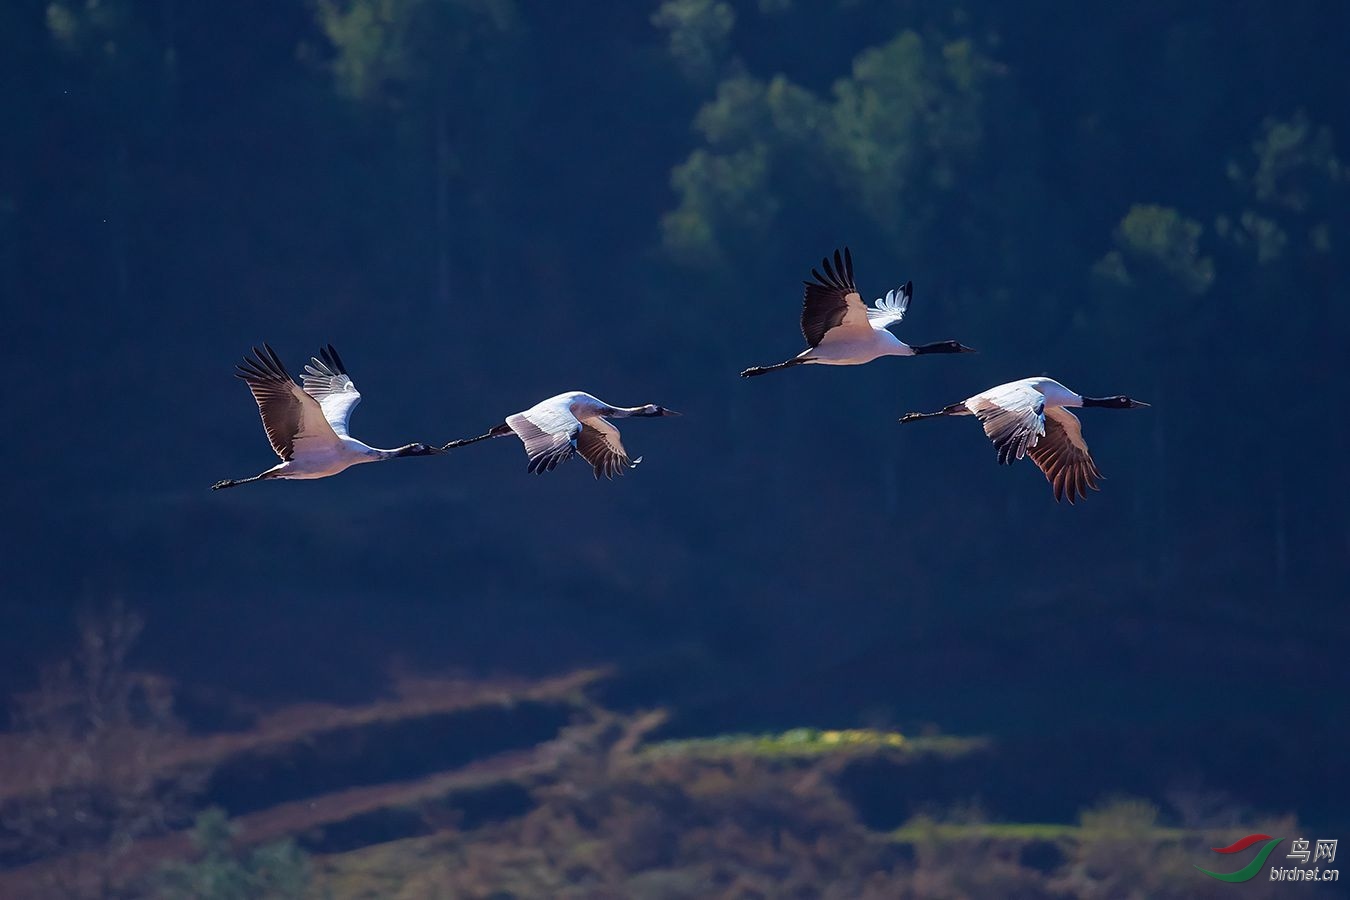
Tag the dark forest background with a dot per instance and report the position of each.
(482, 203)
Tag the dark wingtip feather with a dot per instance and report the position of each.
(337, 363)
(277, 366)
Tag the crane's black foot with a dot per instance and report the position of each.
(223, 484)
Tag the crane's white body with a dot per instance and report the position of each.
(567, 410)
(320, 459)
(852, 344)
(1024, 395)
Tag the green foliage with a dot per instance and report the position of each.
(716, 185)
(386, 48)
(812, 742)
(699, 33)
(108, 30)
(276, 871)
(1163, 246)
(886, 145)
(911, 113)
(1120, 817)
(1296, 164)
(1258, 233)
(1295, 183)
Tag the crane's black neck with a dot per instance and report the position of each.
(1117, 402)
(414, 449)
(941, 347)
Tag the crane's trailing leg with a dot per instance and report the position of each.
(956, 409)
(501, 430)
(233, 482)
(760, 370)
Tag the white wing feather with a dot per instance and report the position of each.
(327, 381)
(891, 309)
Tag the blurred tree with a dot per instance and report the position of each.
(1150, 305)
(1291, 188)
(699, 32)
(1159, 247)
(449, 63)
(890, 146)
(124, 62)
(1288, 217)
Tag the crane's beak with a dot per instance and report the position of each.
(1138, 403)
(670, 412)
(962, 348)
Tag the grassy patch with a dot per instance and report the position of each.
(814, 742)
(916, 831)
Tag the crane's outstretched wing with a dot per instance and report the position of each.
(549, 434)
(832, 300)
(1063, 456)
(1013, 418)
(293, 420)
(599, 444)
(889, 310)
(327, 381)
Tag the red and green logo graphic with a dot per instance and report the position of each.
(1247, 872)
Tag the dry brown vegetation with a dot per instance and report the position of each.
(105, 780)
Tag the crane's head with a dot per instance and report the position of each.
(651, 409)
(1118, 402)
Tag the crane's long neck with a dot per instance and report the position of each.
(379, 454)
(939, 347)
(648, 411)
(366, 453)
